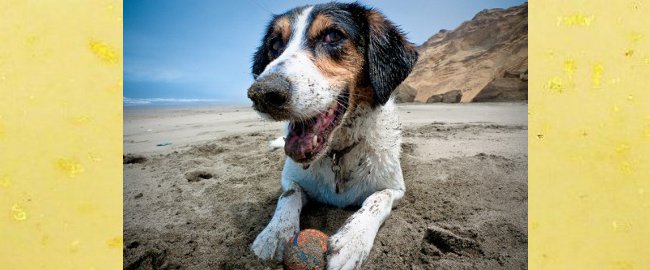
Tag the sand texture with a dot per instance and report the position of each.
(199, 202)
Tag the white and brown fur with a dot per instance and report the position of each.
(370, 61)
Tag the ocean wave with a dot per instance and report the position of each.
(152, 101)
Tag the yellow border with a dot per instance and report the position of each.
(589, 134)
(60, 134)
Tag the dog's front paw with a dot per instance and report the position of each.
(270, 243)
(348, 249)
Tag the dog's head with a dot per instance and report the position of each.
(316, 64)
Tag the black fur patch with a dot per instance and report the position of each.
(261, 57)
(390, 58)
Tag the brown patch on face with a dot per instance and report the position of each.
(282, 28)
(360, 91)
(346, 71)
(342, 70)
(361, 96)
(318, 25)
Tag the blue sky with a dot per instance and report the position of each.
(188, 50)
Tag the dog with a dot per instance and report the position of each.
(329, 70)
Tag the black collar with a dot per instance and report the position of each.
(336, 156)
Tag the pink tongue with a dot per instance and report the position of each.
(300, 144)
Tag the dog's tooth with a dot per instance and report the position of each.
(314, 140)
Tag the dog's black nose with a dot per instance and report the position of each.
(270, 94)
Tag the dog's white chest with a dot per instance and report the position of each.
(320, 182)
(357, 178)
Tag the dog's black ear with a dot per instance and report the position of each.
(390, 57)
(261, 56)
(260, 60)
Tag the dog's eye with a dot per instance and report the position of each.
(276, 46)
(332, 37)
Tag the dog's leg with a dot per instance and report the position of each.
(270, 243)
(350, 246)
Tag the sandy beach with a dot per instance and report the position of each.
(201, 182)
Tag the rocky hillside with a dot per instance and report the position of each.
(484, 59)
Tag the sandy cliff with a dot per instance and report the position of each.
(482, 54)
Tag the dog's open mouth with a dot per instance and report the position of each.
(308, 138)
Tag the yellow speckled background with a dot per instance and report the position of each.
(60, 134)
(589, 134)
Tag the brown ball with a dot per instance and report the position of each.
(306, 250)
